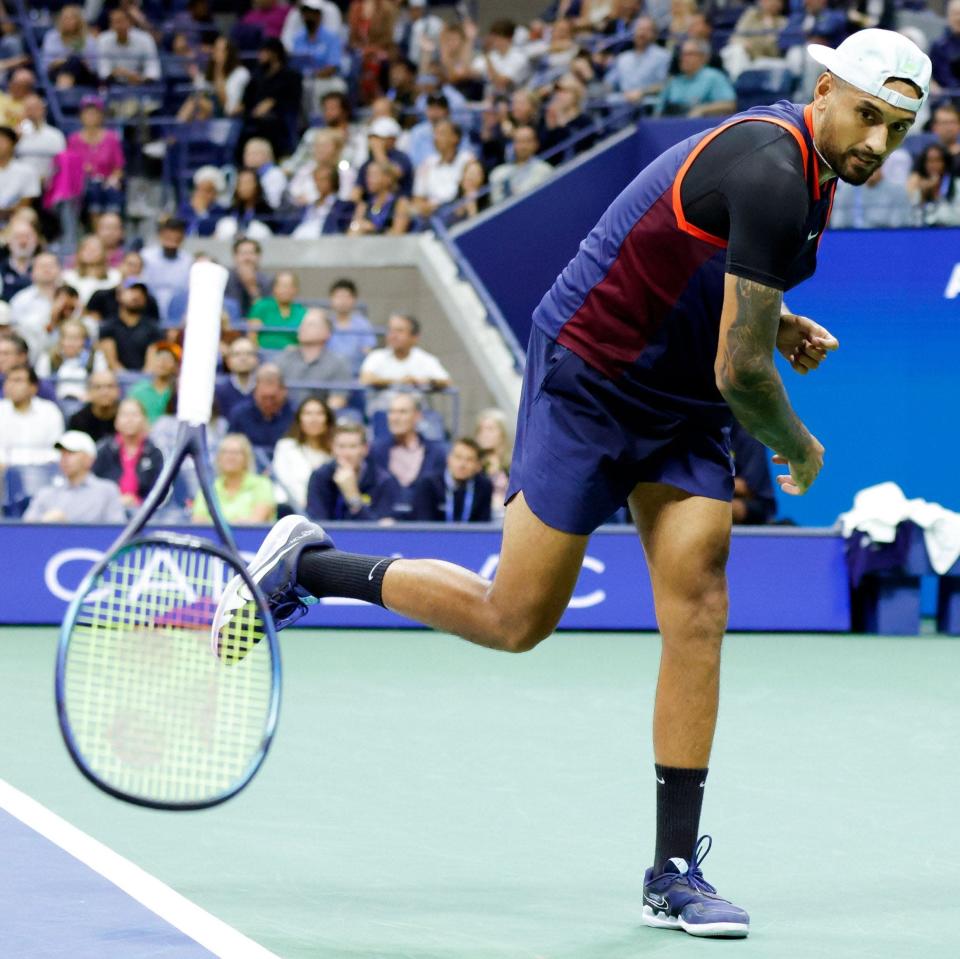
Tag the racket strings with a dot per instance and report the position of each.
(155, 712)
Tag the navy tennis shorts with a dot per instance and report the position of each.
(585, 441)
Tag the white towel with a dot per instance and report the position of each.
(878, 510)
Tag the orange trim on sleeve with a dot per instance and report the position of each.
(682, 222)
(808, 121)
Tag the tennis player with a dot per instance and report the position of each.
(662, 326)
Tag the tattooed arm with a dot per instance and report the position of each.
(748, 380)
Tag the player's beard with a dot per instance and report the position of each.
(852, 171)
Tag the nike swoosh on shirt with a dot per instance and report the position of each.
(813, 235)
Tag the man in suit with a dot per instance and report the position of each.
(461, 493)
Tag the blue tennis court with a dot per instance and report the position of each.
(426, 799)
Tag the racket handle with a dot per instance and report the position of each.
(201, 342)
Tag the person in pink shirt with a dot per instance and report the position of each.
(129, 458)
(98, 152)
(269, 16)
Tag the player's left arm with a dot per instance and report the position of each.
(803, 342)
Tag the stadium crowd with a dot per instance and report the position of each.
(128, 126)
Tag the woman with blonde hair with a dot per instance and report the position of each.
(304, 449)
(70, 363)
(69, 52)
(91, 272)
(244, 496)
(492, 433)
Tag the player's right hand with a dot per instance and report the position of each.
(802, 472)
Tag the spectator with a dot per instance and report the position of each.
(163, 363)
(932, 188)
(196, 25)
(370, 25)
(241, 362)
(245, 280)
(473, 197)
(129, 458)
(815, 22)
(753, 501)
(76, 496)
(71, 362)
(280, 309)
(493, 438)
(201, 212)
(418, 143)
(166, 266)
(526, 173)
(419, 31)
(438, 177)
(91, 272)
(12, 51)
(327, 215)
(564, 119)
(69, 51)
(558, 50)
(756, 39)
(311, 365)
(219, 89)
(327, 150)
(32, 307)
(96, 418)
(244, 497)
(13, 352)
(335, 109)
(385, 210)
(332, 20)
(451, 61)
(21, 84)
(351, 486)
(266, 415)
(498, 125)
(109, 230)
(402, 362)
(23, 243)
(945, 52)
(319, 52)
(97, 152)
(461, 493)
(699, 90)
(353, 335)
(945, 126)
(268, 16)
(502, 64)
(382, 140)
(271, 102)
(39, 142)
(306, 448)
(642, 71)
(404, 453)
(248, 212)
(104, 305)
(19, 183)
(29, 425)
(258, 156)
(125, 54)
(878, 204)
(402, 91)
(126, 339)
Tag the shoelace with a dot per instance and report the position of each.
(693, 877)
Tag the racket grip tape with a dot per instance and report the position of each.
(201, 342)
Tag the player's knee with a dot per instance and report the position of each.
(520, 634)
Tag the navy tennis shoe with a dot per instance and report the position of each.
(274, 569)
(680, 898)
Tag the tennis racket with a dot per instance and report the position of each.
(156, 707)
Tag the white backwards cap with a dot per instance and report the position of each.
(869, 58)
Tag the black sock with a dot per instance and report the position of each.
(332, 572)
(679, 799)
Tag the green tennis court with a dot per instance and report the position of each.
(426, 799)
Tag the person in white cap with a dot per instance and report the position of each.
(76, 496)
(661, 329)
(382, 139)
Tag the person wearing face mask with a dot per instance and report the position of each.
(166, 266)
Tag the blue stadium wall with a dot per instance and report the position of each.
(884, 406)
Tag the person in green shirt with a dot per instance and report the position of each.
(277, 310)
(245, 497)
(163, 362)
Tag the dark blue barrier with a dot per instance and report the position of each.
(780, 580)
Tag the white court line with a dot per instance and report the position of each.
(210, 932)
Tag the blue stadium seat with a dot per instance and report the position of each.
(759, 87)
